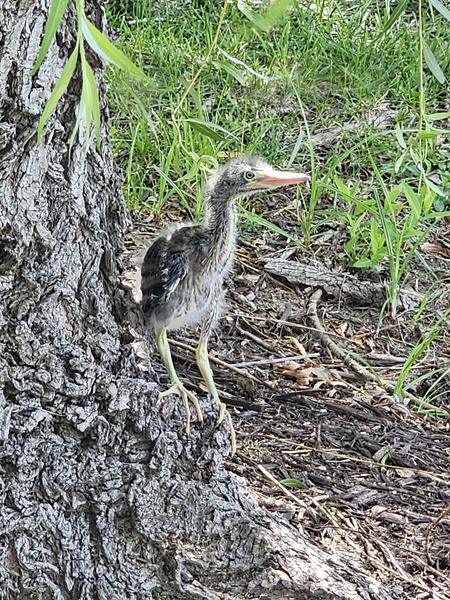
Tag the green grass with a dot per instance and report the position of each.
(337, 60)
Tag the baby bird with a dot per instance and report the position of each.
(183, 271)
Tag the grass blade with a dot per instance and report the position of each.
(236, 61)
(255, 18)
(396, 14)
(260, 220)
(238, 75)
(209, 129)
(55, 15)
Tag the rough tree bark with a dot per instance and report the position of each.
(101, 494)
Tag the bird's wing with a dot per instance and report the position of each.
(162, 270)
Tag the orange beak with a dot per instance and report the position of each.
(271, 179)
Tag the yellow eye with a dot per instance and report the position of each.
(249, 175)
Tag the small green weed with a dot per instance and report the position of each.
(439, 385)
(389, 227)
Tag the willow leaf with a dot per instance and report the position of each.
(87, 101)
(55, 15)
(432, 63)
(396, 14)
(60, 88)
(92, 90)
(445, 12)
(104, 48)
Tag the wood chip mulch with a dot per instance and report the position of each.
(333, 450)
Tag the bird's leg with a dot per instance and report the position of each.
(177, 386)
(201, 355)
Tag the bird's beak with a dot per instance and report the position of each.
(271, 178)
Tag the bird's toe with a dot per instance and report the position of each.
(179, 389)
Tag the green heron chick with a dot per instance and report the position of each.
(183, 271)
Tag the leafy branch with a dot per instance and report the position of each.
(89, 107)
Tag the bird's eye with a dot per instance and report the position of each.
(249, 175)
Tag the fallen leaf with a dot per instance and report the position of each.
(360, 337)
(341, 329)
(297, 371)
(435, 248)
(323, 373)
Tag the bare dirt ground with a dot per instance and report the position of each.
(332, 450)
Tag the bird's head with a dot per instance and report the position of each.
(247, 175)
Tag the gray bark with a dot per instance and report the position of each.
(101, 494)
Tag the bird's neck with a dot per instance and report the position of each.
(221, 222)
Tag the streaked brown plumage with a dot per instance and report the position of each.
(183, 271)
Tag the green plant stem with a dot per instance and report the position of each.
(422, 100)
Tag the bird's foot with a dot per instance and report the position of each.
(222, 410)
(222, 413)
(179, 389)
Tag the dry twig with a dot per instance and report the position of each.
(430, 530)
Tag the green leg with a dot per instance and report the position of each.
(205, 369)
(177, 386)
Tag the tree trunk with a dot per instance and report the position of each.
(102, 495)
